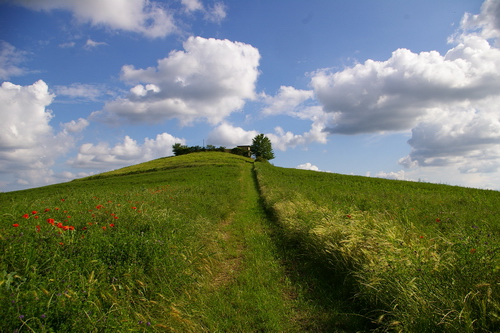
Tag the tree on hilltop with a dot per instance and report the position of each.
(262, 148)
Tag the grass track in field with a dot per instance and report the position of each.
(198, 243)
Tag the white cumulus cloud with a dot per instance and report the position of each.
(287, 101)
(396, 94)
(307, 166)
(103, 157)
(486, 23)
(146, 17)
(468, 139)
(209, 80)
(29, 145)
(399, 175)
(449, 102)
(228, 135)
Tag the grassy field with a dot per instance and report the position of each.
(211, 242)
(416, 257)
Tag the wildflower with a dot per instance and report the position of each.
(34, 212)
(111, 225)
(472, 251)
(63, 199)
(421, 237)
(348, 216)
(134, 208)
(115, 217)
(15, 225)
(51, 221)
(61, 243)
(59, 225)
(38, 228)
(65, 227)
(84, 228)
(71, 227)
(43, 316)
(26, 216)
(104, 228)
(99, 206)
(21, 316)
(47, 210)
(438, 220)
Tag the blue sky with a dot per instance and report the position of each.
(394, 89)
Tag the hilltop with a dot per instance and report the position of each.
(216, 242)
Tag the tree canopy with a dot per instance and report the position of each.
(261, 147)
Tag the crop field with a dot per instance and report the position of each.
(213, 242)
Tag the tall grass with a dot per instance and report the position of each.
(183, 244)
(113, 253)
(422, 257)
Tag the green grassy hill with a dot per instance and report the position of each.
(213, 242)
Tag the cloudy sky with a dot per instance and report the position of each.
(395, 89)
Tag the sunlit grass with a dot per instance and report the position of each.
(195, 244)
(423, 257)
(118, 252)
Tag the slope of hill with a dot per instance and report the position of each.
(210, 242)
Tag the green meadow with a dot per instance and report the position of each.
(214, 242)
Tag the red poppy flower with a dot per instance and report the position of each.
(34, 212)
(38, 228)
(65, 227)
(71, 227)
(111, 225)
(59, 225)
(15, 225)
(438, 220)
(115, 217)
(99, 206)
(47, 210)
(51, 221)
(134, 207)
(103, 228)
(421, 237)
(26, 216)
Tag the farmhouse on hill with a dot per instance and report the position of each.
(245, 149)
